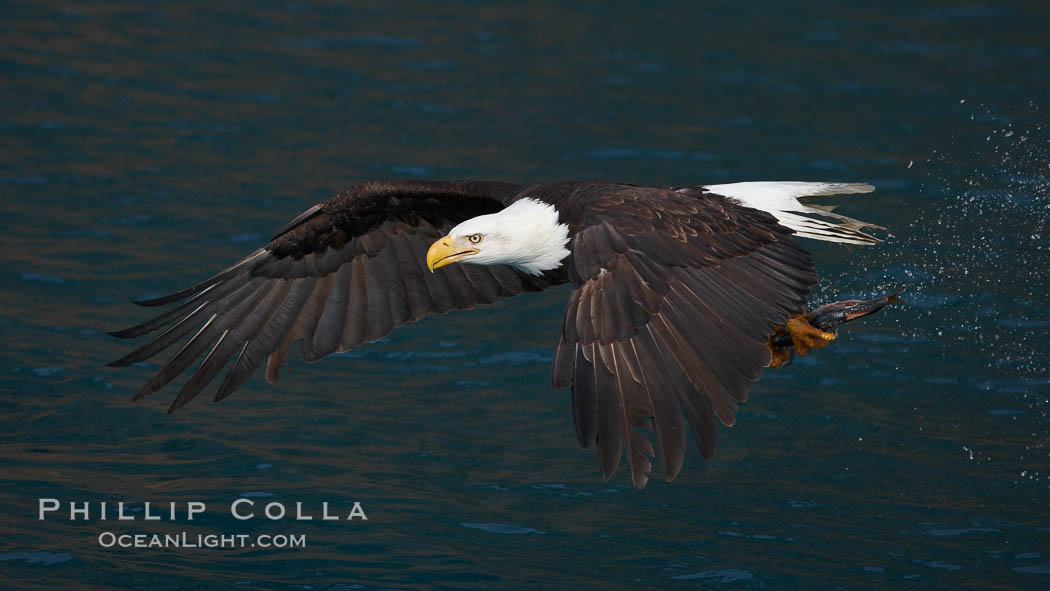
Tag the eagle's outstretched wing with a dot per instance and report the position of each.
(674, 298)
(344, 272)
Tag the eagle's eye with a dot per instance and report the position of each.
(474, 238)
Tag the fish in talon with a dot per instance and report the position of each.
(816, 329)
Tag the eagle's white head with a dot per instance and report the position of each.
(525, 235)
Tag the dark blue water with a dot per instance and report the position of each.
(146, 146)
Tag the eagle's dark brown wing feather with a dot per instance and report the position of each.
(674, 298)
(344, 272)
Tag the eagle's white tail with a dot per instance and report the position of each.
(781, 198)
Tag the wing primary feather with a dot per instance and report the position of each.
(231, 342)
(781, 275)
(306, 327)
(569, 331)
(761, 305)
(189, 351)
(715, 352)
(397, 295)
(198, 290)
(634, 405)
(207, 283)
(330, 326)
(178, 330)
(584, 324)
(776, 256)
(465, 297)
(564, 364)
(213, 293)
(617, 308)
(412, 270)
(752, 316)
(610, 419)
(379, 320)
(695, 405)
(584, 398)
(441, 294)
(182, 398)
(163, 340)
(508, 281)
(269, 337)
(746, 353)
(485, 285)
(697, 368)
(356, 327)
(667, 418)
(744, 320)
(200, 342)
(709, 318)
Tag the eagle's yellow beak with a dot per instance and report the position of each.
(443, 252)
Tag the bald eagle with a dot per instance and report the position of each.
(676, 292)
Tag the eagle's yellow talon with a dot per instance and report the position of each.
(805, 336)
